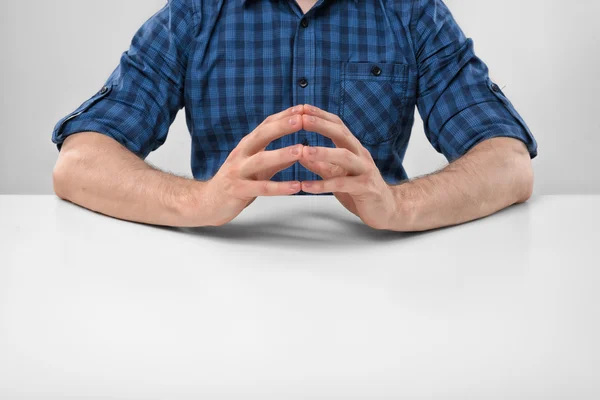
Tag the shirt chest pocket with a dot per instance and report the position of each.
(372, 97)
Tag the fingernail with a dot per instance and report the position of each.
(312, 109)
(295, 151)
(312, 151)
(312, 119)
(295, 186)
(307, 184)
(295, 110)
(293, 121)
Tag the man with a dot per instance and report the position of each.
(347, 75)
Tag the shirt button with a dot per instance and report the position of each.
(376, 70)
(495, 88)
(303, 83)
(305, 142)
(304, 23)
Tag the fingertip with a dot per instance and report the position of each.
(293, 120)
(300, 150)
(309, 119)
(307, 186)
(305, 152)
(310, 108)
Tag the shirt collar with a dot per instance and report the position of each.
(243, 2)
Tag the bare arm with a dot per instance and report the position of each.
(96, 172)
(493, 175)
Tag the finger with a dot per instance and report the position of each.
(271, 160)
(338, 133)
(340, 184)
(295, 110)
(249, 189)
(324, 169)
(274, 127)
(340, 156)
(317, 112)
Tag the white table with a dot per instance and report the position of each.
(297, 299)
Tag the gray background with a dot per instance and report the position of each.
(56, 54)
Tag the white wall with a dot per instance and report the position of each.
(55, 54)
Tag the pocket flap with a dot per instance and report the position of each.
(371, 70)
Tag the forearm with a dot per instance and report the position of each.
(97, 173)
(493, 175)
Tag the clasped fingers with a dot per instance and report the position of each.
(344, 158)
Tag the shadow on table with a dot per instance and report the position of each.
(340, 230)
(312, 228)
(280, 230)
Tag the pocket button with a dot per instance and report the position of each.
(376, 70)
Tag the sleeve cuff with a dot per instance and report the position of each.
(77, 122)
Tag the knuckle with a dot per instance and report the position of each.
(234, 170)
(338, 184)
(257, 131)
(229, 187)
(333, 170)
(264, 188)
(364, 179)
(245, 139)
(258, 161)
(236, 150)
(366, 153)
(348, 156)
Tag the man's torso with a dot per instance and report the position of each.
(248, 61)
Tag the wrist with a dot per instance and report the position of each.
(191, 205)
(404, 219)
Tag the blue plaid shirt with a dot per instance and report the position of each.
(231, 63)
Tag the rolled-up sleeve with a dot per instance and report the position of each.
(459, 104)
(139, 101)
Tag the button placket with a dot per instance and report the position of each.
(304, 79)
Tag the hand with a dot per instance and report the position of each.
(348, 171)
(247, 171)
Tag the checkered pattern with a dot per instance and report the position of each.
(231, 63)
